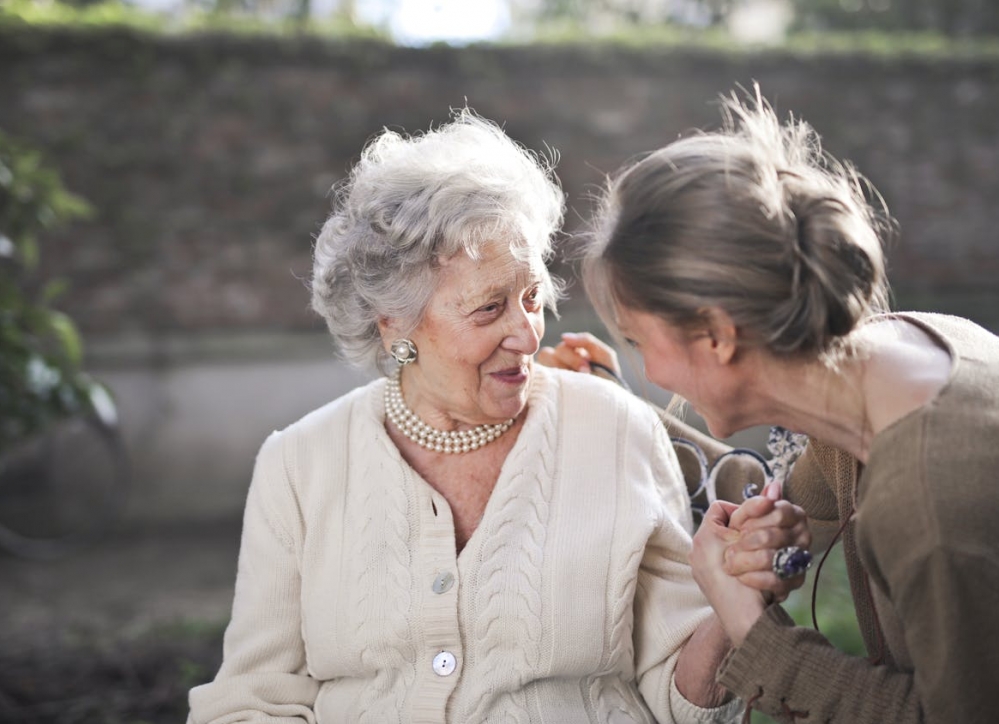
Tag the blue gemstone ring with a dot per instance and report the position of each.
(791, 561)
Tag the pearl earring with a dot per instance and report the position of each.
(403, 351)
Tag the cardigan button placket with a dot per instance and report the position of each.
(439, 582)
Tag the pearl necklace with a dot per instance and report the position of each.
(453, 441)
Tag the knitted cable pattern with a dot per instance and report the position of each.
(617, 703)
(383, 594)
(610, 697)
(508, 622)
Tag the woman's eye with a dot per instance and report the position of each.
(631, 343)
(533, 296)
(489, 308)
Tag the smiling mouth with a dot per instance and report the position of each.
(514, 375)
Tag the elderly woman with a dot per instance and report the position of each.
(746, 267)
(470, 538)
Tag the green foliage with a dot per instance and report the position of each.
(878, 43)
(953, 18)
(636, 13)
(568, 32)
(948, 18)
(236, 16)
(820, 26)
(868, 44)
(834, 611)
(96, 14)
(40, 348)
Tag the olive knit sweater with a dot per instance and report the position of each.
(922, 551)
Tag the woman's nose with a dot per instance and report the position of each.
(525, 331)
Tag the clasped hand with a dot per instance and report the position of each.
(733, 553)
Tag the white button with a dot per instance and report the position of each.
(443, 582)
(444, 663)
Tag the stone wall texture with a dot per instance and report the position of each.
(209, 158)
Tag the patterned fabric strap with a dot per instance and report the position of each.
(785, 447)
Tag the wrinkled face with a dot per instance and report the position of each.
(476, 340)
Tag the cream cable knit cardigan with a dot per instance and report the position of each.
(569, 603)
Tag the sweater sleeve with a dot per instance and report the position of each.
(669, 607)
(263, 677)
(810, 485)
(784, 668)
(818, 473)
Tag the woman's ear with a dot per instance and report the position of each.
(722, 332)
(386, 329)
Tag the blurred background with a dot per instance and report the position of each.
(188, 150)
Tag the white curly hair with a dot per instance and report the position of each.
(414, 200)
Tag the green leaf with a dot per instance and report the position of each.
(71, 345)
(53, 290)
(29, 251)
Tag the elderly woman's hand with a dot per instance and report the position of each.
(763, 527)
(737, 605)
(577, 351)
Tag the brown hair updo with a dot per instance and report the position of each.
(755, 219)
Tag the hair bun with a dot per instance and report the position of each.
(837, 276)
(754, 219)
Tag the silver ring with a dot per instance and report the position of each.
(790, 561)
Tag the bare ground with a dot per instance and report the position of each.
(116, 633)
